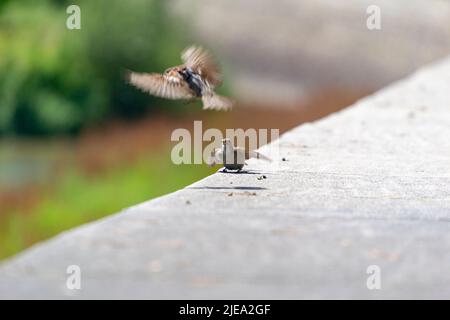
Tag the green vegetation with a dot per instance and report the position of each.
(78, 198)
(54, 80)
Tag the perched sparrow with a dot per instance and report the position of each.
(196, 78)
(233, 158)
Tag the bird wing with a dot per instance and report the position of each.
(203, 63)
(213, 101)
(215, 157)
(160, 85)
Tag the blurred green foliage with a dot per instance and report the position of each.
(79, 198)
(54, 80)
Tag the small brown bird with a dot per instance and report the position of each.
(233, 158)
(196, 78)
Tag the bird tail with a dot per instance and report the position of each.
(215, 102)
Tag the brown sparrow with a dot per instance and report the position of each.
(233, 158)
(196, 78)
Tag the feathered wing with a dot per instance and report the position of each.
(203, 63)
(159, 85)
(213, 101)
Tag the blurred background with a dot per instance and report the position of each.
(77, 143)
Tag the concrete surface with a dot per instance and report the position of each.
(367, 186)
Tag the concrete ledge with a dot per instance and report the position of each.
(366, 186)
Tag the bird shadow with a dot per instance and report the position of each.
(229, 188)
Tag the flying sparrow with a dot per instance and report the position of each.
(196, 78)
(233, 158)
